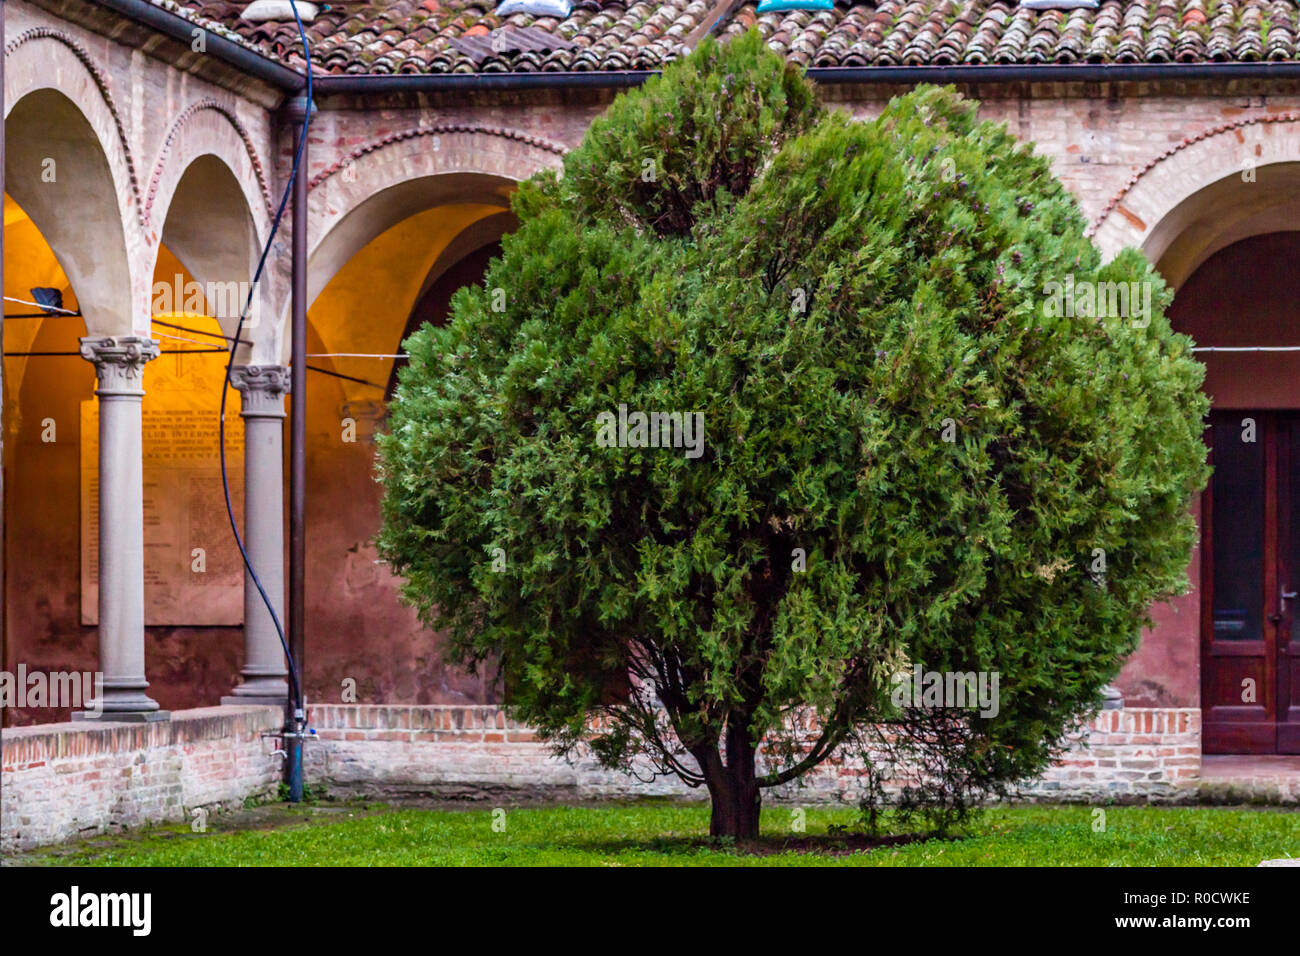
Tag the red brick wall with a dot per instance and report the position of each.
(62, 781)
(478, 751)
(1129, 753)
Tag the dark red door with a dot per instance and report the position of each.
(1288, 588)
(1250, 632)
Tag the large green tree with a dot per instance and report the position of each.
(914, 449)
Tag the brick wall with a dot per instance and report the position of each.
(66, 780)
(454, 751)
(449, 751)
(61, 781)
(1135, 753)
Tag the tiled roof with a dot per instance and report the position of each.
(420, 36)
(456, 36)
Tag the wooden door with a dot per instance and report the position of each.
(1288, 641)
(1250, 631)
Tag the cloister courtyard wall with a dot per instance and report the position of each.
(176, 159)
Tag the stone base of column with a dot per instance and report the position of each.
(260, 688)
(122, 716)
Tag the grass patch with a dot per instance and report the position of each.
(663, 833)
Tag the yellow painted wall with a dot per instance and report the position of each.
(357, 628)
(365, 306)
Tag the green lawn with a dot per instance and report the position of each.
(673, 834)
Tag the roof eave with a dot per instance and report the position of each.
(243, 58)
(277, 74)
(868, 75)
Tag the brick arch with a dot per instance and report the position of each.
(45, 58)
(369, 189)
(456, 136)
(59, 106)
(1223, 184)
(206, 127)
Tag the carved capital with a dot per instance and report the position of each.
(119, 362)
(262, 387)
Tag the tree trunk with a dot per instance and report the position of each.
(737, 799)
(735, 811)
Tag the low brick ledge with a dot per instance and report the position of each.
(69, 779)
(22, 746)
(1133, 726)
(66, 780)
(464, 750)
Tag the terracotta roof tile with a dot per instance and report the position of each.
(456, 36)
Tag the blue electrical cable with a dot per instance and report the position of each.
(234, 344)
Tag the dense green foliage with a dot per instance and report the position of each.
(671, 834)
(910, 457)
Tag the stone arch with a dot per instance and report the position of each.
(67, 165)
(1207, 192)
(211, 230)
(209, 202)
(45, 58)
(388, 180)
(207, 128)
(383, 182)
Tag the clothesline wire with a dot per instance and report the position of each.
(44, 308)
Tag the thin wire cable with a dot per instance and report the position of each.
(1247, 348)
(194, 331)
(50, 308)
(234, 345)
(181, 338)
(350, 378)
(79, 355)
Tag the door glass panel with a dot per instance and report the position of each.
(1238, 534)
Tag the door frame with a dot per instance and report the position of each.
(1258, 727)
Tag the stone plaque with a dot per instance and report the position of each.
(193, 575)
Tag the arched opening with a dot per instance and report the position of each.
(401, 271)
(1245, 204)
(393, 205)
(1238, 307)
(66, 234)
(46, 383)
(209, 229)
(57, 172)
(193, 581)
(194, 578)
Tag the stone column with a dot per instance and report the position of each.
(119, 366)
(262, 388)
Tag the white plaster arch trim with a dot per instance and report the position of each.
(207, 127)
(1134, 215)
(45, 58)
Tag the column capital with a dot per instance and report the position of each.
(119, 361)
(262, 388)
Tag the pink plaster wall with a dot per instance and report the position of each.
(1238, 297)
